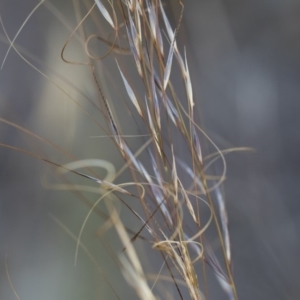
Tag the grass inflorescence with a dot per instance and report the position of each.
(177, 198)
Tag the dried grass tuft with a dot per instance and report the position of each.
(174, 192)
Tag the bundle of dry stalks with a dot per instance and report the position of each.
(170, 180)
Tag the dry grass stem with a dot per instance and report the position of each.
(177, 197)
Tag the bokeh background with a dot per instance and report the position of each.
(244, 60)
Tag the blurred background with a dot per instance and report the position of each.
(244, 63)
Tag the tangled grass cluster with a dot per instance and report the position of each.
(176, 194)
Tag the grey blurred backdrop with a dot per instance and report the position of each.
(244, 60)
